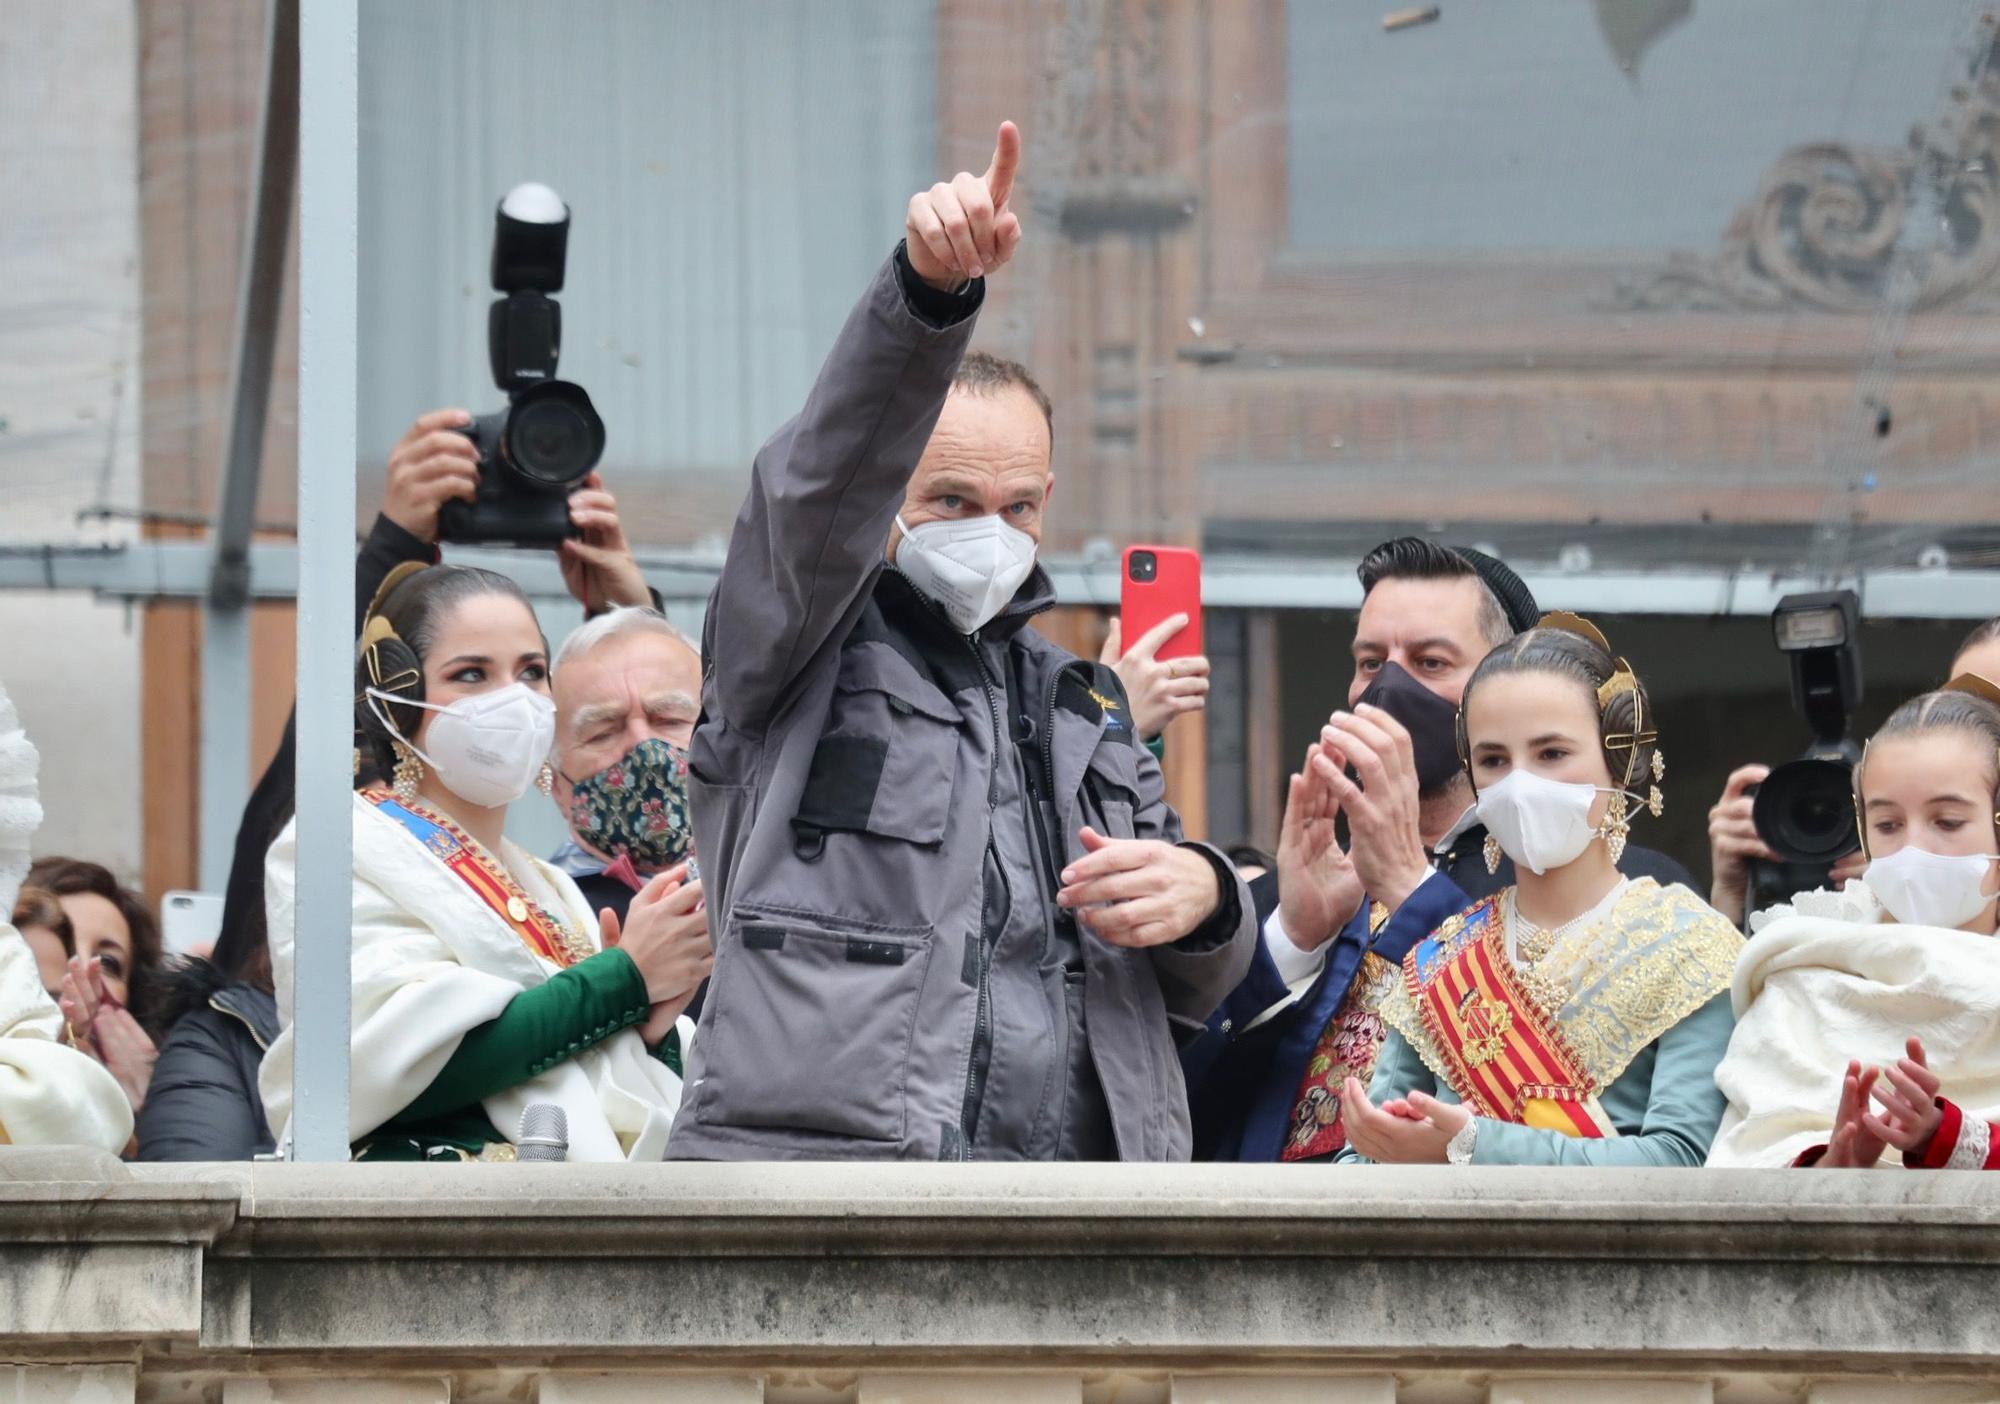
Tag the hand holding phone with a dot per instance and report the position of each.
(1156, 583)
(1155, 645)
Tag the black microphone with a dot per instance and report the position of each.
(544, 1133)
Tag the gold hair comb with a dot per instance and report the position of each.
(1574, 624)
(395, 577)
(1973, 684)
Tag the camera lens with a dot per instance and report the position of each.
(1805, 811)
(554, 436)
(1145, 565)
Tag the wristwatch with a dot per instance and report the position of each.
(1458, 1150)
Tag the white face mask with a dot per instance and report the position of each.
(969, 569)
(1921, 888)
(487, 748)
(1541, 823)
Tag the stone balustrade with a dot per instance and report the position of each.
(908, 1284)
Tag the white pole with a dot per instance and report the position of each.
(329, 46)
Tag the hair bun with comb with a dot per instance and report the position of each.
(1975, 685)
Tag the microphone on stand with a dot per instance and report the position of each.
(544, 1133)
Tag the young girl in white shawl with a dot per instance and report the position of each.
(482, 982)
(1868, 1020)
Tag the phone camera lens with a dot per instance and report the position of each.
(1145, 565)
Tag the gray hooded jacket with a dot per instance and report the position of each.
(881, 806)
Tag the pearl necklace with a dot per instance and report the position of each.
(1533, 943)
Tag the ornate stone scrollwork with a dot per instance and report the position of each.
(1832, 226)
(1115, 171)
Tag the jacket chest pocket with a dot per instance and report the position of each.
(886, 762)
(1111, 787)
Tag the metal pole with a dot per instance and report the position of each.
(225, 638)
(224, 778)
(329, 48)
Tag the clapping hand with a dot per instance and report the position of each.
(1387, 845)
(1412, 1130)
(1907, 1094)
(665, 932)
(1318, 890)
(1853, 1146)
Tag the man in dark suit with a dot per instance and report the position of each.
(1264, 1077)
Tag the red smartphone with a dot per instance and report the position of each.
(1156, 583)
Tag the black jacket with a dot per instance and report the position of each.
(203, 1103)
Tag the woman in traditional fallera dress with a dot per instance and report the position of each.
(482, 982)
(1869, 1018)
(1577, 1017)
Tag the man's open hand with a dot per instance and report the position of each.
(1318, 890)
(962, 229)
(1387, 847)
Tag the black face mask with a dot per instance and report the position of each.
(1431, 721)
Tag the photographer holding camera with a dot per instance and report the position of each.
(1733, 845)
(436, 462)
(1770, 837)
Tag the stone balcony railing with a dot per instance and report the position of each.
(727, 1284)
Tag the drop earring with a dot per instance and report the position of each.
(545, 780)
(1491, 850)
(409, 773)
(1617, 827)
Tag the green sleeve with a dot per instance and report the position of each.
(1678, 1106)
(668, 1051)
(1158, 746)
(574, 1009)
(1398, 1073)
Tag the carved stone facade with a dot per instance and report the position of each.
(1841, 228)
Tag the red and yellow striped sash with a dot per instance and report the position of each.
(1504, 1054)
(478, 872)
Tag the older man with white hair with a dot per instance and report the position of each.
(627, 688)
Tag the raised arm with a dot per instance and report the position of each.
(825, 489)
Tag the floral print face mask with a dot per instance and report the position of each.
(637, 807)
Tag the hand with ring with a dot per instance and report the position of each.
(1159, 689)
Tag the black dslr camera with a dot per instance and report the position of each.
(1804, 810)
(533, 453)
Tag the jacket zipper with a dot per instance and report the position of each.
(1048, 729)
(1052, 861)
(228, 1013)
(982, 1026)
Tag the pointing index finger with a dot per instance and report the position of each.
(1006, 159)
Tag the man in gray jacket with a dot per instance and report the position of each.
(952, 915)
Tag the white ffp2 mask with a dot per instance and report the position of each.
(1540, 823)
(969, 568)
(485, 748)
(1922, 888)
